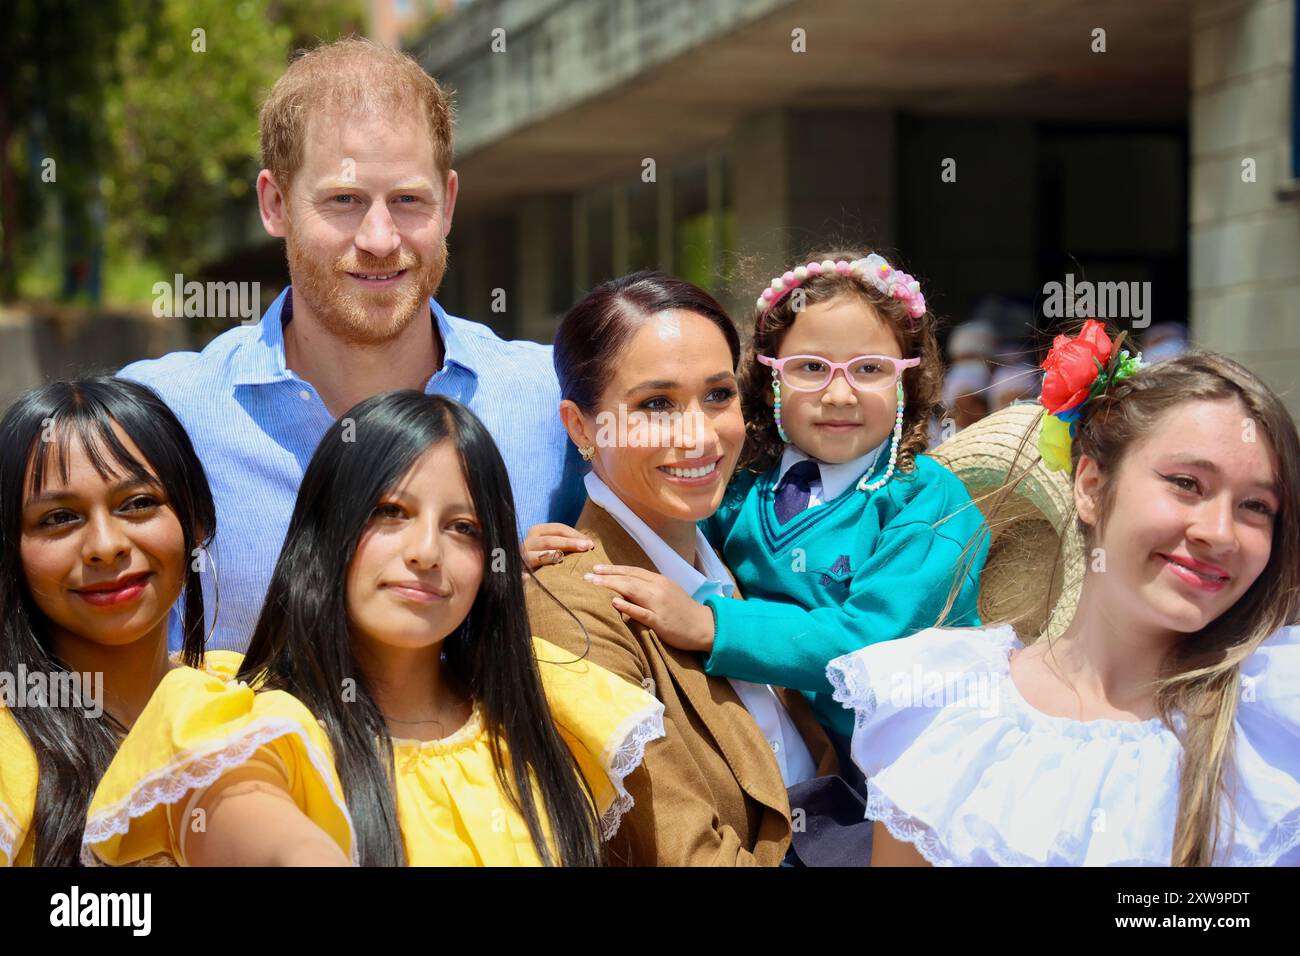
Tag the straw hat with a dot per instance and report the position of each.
(1030, 522)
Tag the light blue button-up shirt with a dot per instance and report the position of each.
(255, 425)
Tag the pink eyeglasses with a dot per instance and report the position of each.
(812, 373)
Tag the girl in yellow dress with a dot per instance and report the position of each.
(104, 511)
(392, 708)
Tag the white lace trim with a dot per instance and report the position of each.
(10, 831)
(851, 687)
(1281, 840)
(908, 829)
(198, 768)
(623, 754)
(851, 684)
(905, 829)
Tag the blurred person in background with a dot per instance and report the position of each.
(1018, 381)
(1164, 340)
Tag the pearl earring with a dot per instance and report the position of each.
(893, 449)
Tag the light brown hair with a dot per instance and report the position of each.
(348, 76)
(1201, 676)
(1202, 673)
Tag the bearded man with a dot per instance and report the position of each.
(356, 145)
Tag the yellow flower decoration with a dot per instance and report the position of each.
(1054, 444)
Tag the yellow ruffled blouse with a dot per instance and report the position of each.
(19, 773)
(451, 810)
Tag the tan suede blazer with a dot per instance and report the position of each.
(710, 793)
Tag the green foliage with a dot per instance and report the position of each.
(150, 107)
(183, 121)
(55, 65)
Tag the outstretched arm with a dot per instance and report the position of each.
(250, 819)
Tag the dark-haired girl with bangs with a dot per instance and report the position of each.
(392, 708)
(104, 512)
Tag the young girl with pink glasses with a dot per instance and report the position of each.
(837, 530)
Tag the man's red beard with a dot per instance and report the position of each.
(353, 313)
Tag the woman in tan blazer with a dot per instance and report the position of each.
(646, 366)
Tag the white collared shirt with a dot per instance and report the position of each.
(835, 479)
(792, 754)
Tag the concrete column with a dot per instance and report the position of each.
(545, 225)
(1245, 235)
(811, 177)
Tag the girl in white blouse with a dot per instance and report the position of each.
(1163, 726)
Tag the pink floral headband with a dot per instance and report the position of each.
(873, 269)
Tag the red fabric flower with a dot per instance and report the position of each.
(1071, 367)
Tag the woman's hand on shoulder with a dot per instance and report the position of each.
(659, 603)
(549, 543)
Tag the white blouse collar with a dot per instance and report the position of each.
(714, 580)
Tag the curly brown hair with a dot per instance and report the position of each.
(916, 337)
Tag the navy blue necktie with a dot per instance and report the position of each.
(795, 489)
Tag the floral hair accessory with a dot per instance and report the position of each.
(873, 269)
(1075, 372)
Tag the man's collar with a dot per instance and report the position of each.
(262, 361)
(457, 348)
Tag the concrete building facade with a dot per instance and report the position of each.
(992, 147)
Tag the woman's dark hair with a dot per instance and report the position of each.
(303, 644)
(916, 338)
(73, 751)
(595, 331)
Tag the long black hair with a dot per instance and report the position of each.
(303, 644)
(73, 751)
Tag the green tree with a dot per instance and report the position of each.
(56, 66)
(183, 121)
(149, 110)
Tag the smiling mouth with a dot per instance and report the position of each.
(377, 276)
(416, 593)
(108, 587)
(115, 592)
(692, 473)
(1193, 575)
